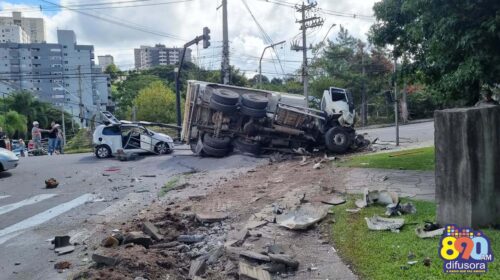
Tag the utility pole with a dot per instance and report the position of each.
(225, 46)
(63, 106)
(396, 103)
(306, 22)
(260, 60)
(364, 105)
(80, 104)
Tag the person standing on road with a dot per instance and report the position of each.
(22, 147)
(53, 137)
(2, 139)
(59, 143)
(36, 135)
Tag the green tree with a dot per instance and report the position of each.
(113, 71)
(14, 124)
(156, 103)
(452, 46)
(128, 90)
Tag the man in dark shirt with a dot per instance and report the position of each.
(2, 139)
(53, 137)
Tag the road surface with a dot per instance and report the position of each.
(91, 191)
(417, 134)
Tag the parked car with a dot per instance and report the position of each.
(8, 160)
(110, 138)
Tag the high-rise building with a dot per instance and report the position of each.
(34, 27)
(13, 34)
(147, 57)
(105, 61)
(62, 73)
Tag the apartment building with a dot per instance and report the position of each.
(34, 27)
(147, 57)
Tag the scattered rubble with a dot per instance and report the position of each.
(62, 265)
(398, 209)
(335, 200)
(62, 245)
(151, 230)
(253, 272)
(302, 217)
(51, 183)
(102, 259)
(379, 223)
(422, 233)
(138, 238)
(209, 217)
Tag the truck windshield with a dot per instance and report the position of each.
(338, 95)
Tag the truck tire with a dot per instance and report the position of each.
(214, 142)
(224, 108)
(337, 140)
(246, 146)
(254, 101)
(251, 112)
(226, 97)
(214, 152)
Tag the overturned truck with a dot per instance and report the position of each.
(219, 118)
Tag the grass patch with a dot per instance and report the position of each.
(414, 159)
(171, 184)
(381, 254)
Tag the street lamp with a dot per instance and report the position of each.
(260, 61)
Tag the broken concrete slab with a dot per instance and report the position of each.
(197, 267)
(334, 200)
(64, 250)
(255, 256)
(360, 203)
(138, 238)
(210, 217)
(303, 217)
(165, 245)
(284, 259)
(398, 209)
(190, 238)
(422, 233)
(379, 223)
(252, 224)
(253, 272)
(214, 254)
(102, 259)
(151, 230)
(109, 242)
(61, 241)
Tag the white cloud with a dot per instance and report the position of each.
(187, 19)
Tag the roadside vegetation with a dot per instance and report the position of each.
(413, 159)
(170, 185)
(384, 254)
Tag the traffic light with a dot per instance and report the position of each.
(206, 37)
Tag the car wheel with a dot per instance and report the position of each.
(226, 97)
(251, 112)
(214, 142)
(247, 146)
(337, 140)
(254, 101)
(102, 151)
(217, 106)
(162, 148)
(215, 152)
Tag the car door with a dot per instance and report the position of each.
(146, 140)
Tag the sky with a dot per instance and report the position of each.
(116, 27)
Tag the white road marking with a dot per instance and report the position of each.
(14, 230)
(32, 200)
(4, 196)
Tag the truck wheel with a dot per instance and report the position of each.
(337, 140)
(214, 142)
(247, 146)
(214, 152)
(251, 112)
(224, 108)
(254, 101)
(226, 97)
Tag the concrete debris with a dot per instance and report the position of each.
(277, 209)
(61, 241)
(398, 209)
(303, 161)
(252, 224)
(165, 245)
(214, 254)
(151, 230)
(285, 259)
(139, 238)
(335, 200)
(101, 259)
(253, 272)
(255, 256)
(377, 197)
(109, 242)
(64, 250)
(191, 238)
(422, 233)
(197, 267)
(210, 217)
(51, 183)
(302, 217)
(412, 262)
(62, 265)
(360, 203)
(379, 223)
(317, 165)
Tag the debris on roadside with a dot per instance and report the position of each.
(101, 259)
(379, 223)
(62, 265)
(302, 217)
(382, 197)
(429, 230)
(427, 261)
(399, 209)
(334, 200)
(412, 262)
(51, 183)
(317, 165)
(62, 245)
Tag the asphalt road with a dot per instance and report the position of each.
(30, 214)
(416, 134)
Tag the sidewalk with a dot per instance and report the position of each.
(413, 184)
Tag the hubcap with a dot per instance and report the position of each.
(162, 149)
(102, 152)
(339, 139)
